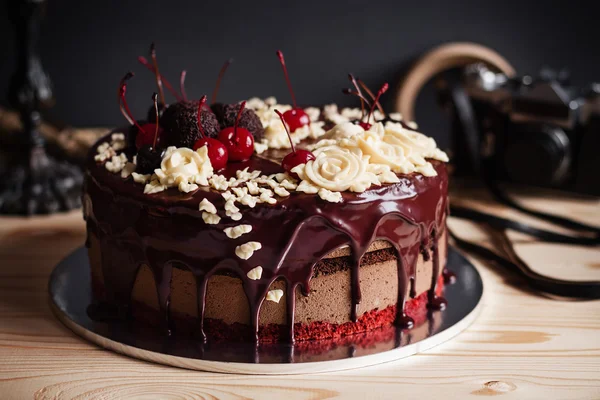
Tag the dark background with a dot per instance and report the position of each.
(87, 46)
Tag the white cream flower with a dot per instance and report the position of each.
(337, 169)
(370, 143)
(416, 147)
(184, 168)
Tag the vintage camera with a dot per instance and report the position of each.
(535, 131)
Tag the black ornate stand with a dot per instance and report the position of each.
(32, 181)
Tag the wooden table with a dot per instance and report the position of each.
(523, 345)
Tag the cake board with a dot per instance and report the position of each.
(70, 296)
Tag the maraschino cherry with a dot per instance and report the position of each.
(157, 74)
(217, 152)
(367, 124)
(296, 117)
(364, 124)
(142, 60)
(213, 97)
(149, 156)
(238, 141)
(296, 157)
(182, 84)
(381, 91)
(147, 133)
(362, 102)
(370, 93)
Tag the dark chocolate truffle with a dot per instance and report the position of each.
(248, 120)
(179, 122)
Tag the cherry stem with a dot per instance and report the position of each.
(286, 129)
(182, 84)
(155, 100)
(157, 74)
(362, 102)
(200, 106)
(287, 78)
(366, 88)
(142, 60)
(123, 103)
(381, 91)
(357, 94)
(237, 118)
(226, 65)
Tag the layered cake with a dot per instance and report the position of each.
(265, 221)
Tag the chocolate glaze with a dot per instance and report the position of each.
(165, 230)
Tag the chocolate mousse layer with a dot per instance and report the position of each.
(329, 301)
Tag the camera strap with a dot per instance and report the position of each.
(589, 235)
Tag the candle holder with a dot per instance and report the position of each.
(33, 181)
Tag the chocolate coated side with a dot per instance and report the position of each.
(165, 230)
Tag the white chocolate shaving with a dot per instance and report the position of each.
(206, 205)
(246, 250)
(274, 295)
(210, 219)
(255, 273)
(237, 231)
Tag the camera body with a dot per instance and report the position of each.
(534, 131)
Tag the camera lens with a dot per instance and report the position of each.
(538, 155)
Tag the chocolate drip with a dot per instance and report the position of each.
(413, 291)
(435, 302)
(449, 276)
(166, 231)
(201, 286)
(402, 319)
(291, 307)
(162, 277)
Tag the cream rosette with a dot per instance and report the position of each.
(184, 168)
(370, 143)
(337, 169)
(417, 147)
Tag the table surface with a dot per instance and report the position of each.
(523, 345)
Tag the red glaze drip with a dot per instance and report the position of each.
(410, 214)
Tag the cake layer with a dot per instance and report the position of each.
(325, 309)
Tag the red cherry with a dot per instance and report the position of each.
(365, 125)
(146, 134)
(239, 143)
(296, 157)
(217, 152)
(296, 118)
